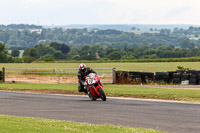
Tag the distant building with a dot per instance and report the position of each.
(97, 55)
(39, 31)
(42, 41)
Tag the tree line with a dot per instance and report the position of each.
(57, 51)
(26, 36)
(83, 44)
(19, 26)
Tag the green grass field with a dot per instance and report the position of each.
(116, 91)
(143, 67)
(21, 53)
(11, 124)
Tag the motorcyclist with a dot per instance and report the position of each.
(82, 73)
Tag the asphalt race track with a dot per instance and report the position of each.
(172, 117)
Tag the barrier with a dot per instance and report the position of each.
(108, 75)
(176, 77)
(52, 76)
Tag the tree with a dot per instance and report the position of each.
(13, 39)
(3, 53)
(191, 28)
(73, 54)
(64, 48)
(186, 44)
(44, 49)
(165, 31)
(110, 50)
(33, 52)
(59, 55)
(98, 49)
(128, 56)
(55, 45)
(3, 36)
(15, 53)
(114, 55)
(27, 59)
(90, 56)
(133, 28)
(48, 57)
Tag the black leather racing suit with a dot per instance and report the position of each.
(81, 78)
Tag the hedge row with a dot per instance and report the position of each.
(192, 59)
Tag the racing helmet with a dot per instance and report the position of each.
(82, 67)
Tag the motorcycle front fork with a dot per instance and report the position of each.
(88, 88)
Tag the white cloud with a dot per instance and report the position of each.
(151, 11)
(100, 11)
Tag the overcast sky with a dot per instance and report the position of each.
(64, 12)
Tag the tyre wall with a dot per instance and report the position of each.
(172, 77)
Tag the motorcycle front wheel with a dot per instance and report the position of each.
(102, 94)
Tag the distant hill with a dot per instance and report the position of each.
(19, 26)
(118, 35)
(142, 27)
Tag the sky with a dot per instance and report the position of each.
(66, 12)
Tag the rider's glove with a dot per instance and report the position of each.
(84, 83)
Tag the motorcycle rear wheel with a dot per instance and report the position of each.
(102, 94)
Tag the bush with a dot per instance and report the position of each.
(28, 59)
(182, 68)
(47, 57)
(17, 60)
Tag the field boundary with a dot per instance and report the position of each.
(55, 76)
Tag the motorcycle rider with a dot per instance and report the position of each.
(82, 73)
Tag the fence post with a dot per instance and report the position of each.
(3, 74)
(114, 75)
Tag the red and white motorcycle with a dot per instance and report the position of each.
(94, 87)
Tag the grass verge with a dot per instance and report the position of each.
(10, 124)
(115, 91)
(141, 67)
